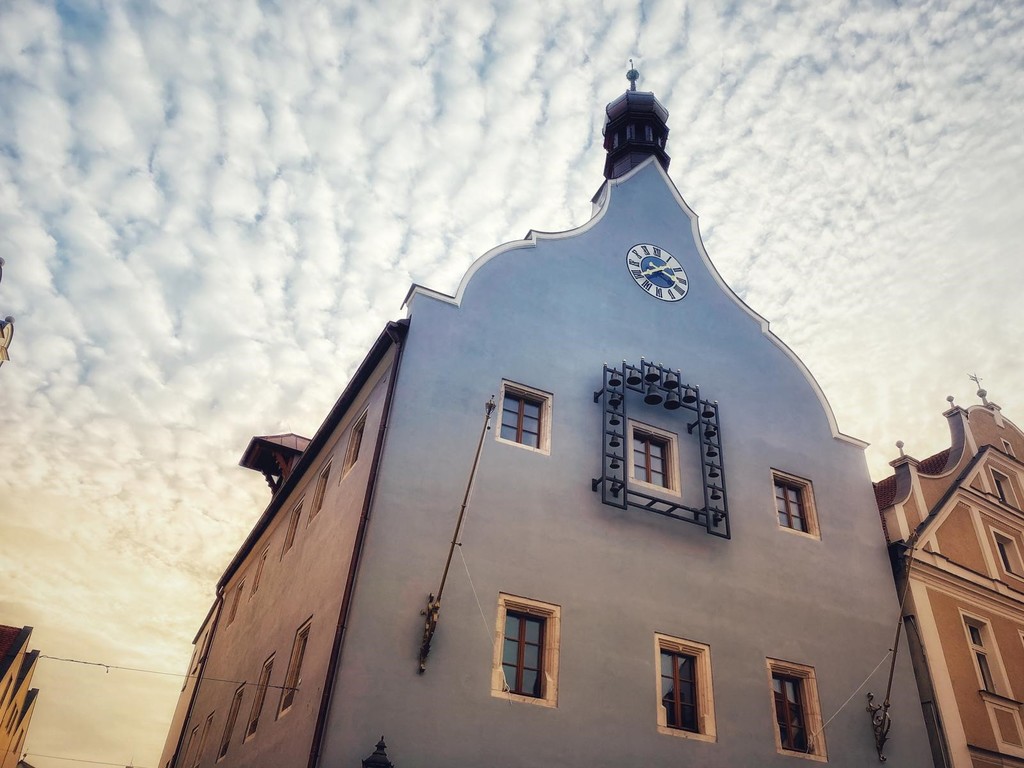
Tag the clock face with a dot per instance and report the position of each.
(657, 271)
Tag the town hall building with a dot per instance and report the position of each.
(588, 511)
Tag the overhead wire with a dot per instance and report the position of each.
(82, 760)
(190, 676)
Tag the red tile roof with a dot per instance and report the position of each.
(934, 464)
(885, 492)
(7, 637)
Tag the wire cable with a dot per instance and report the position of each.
(80, 760)
(178, 675)
(483, 617)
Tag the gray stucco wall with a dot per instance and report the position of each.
(548, 316)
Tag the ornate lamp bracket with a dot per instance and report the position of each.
(880, 724)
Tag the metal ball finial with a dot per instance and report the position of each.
(949, 399)
(632, 76)
(899, 444)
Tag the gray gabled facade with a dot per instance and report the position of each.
(670, 554)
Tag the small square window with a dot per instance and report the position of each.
(293, 678)
(654, 457)
(525, 417)
(261, 694)
(525, 664)
(794, 504)
(799, 728)
(355, 441)
(321, 485)
(686, 705)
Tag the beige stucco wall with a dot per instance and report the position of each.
(958, 541)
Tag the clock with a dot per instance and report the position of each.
(657, 271)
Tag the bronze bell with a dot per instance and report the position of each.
(689, 397)
(713, 472)
(652, 375)
(614, 464)
(614, 420)
(711, 452)
(715, 495)
(672, 400)
(614, 442)
(614, 379)
(615, 400)
(709, 411)
(710, 431)
(671, 380)
(633, 378)
(653, 396)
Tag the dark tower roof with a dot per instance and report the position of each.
(635, 128)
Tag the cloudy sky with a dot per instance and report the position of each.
(209, 210)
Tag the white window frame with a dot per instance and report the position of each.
(1005, 542)
(256, 711)
(354, 447)
(1001, 480)
(1008, 449)
(291, 531)
(806, 500)
(551, 614)
(235, 600)
(261, 564)
(671, 461)
(988, 648)
(198, 757)
(546, 400)
(229, 724)
(320, 490)
(817, 749)
(707, 727)
(293, 677)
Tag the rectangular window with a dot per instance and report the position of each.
(1009, 555)
(526, 651)
(235, 600)
(654, 457)
(261, 694)
(293, 526)
(229, 726)
(355, 440)
(259, 571)
(685, 693)
(202, 742)
(525, 417)
(1003, 489)
(321, 488)
(192, 742)
(293, 678)
(976, 635)
(797, 710)
(1008, 449)
(794, 504)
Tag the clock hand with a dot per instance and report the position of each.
(655, 270)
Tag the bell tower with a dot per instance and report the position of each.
(635, 128)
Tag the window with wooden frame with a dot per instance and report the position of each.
(686, 705)
(293, 678)
(261, 694)
(1009, 554)
(198, 757)
(654, 458)
(321, 487)
(794, 504)
(293, 526)
(259, 571)
(1003, 489)
(798, 724)
(236, 598)
(355, 441)
(229, 725)
(525, 417)
(525, 666)
(979, 642)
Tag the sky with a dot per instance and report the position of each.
(209, 210)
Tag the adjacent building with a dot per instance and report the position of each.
(17, 696)
(659, 549)
(955, 529)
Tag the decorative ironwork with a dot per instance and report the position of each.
(660, 385)
(880, 724)
(379, 758)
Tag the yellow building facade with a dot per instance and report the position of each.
(955, 530)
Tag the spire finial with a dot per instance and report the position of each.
(981, 391)
(632, 76)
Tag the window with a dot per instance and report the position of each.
(259, 571)
(526, 652)
(977, 632)
(355, 440)
(293, 526)
(685, 693)
(261, 694)
(794, 504)
(321, 484)
(654, 461)
(293, 678)
(1003, 489)
(798, 722)
(648, 133)
(1008, 449)
(193, 737)
(234, 602)
(1009, 555)
(197, 758)
(525, 417)
(229, 726)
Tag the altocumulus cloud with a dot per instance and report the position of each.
(209, 210)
